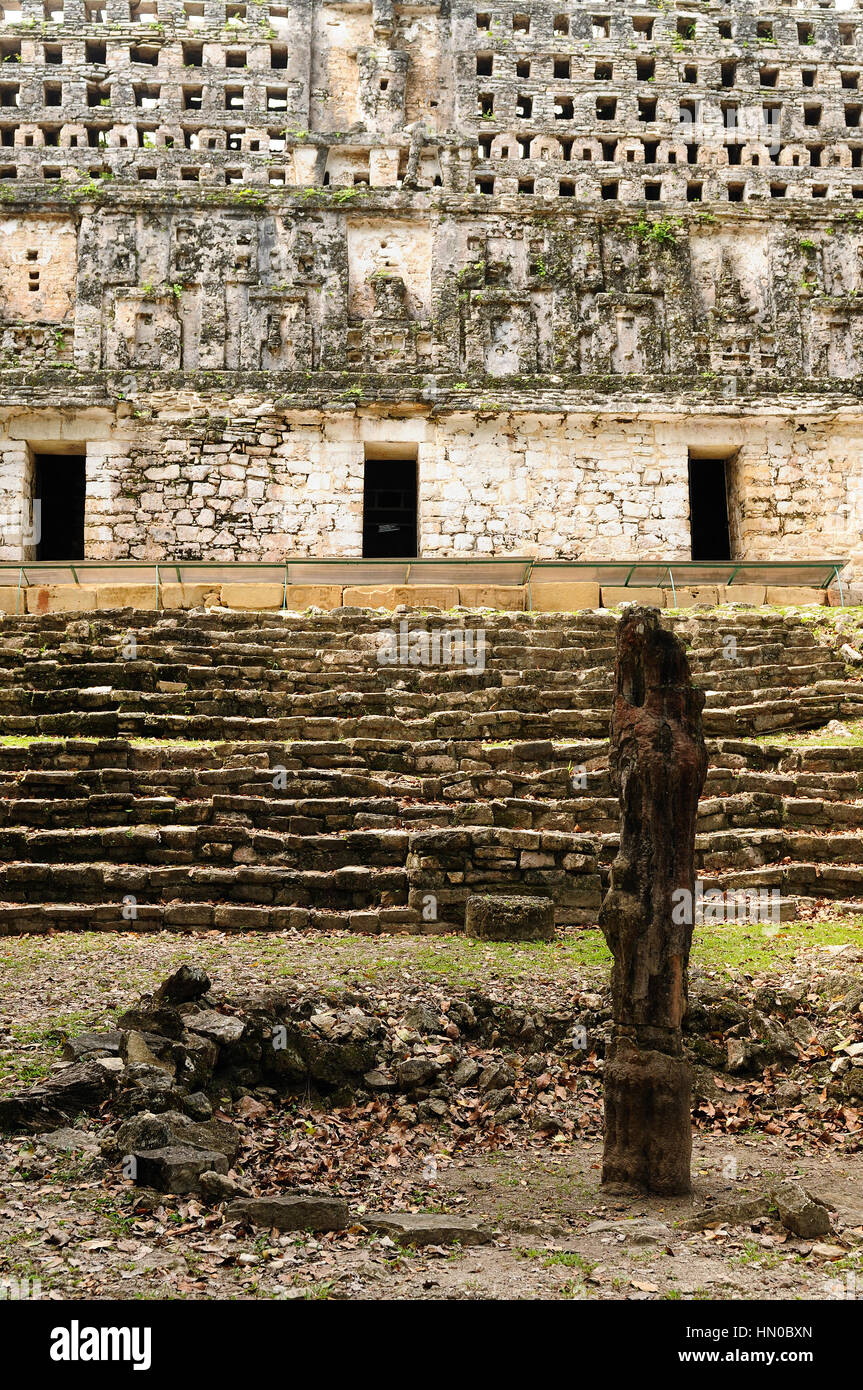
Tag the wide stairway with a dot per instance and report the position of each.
(242, 771)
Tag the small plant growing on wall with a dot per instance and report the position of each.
(662, 232)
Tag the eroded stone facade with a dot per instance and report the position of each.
(552, 252)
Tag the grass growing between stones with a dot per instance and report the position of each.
(815, 738)
(25, 740)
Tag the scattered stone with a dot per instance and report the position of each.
(544, 1228)
(136, 1049)
(379, 1079)
(735, 1213)
(787, 1093)
(176, 1168)
(639, 1231)
(292, 1212)
(495, 1077)
(144, 1131)
(186, 984)
(465, 1073)
(740, 1055)
(197, 1106)
(415, 1072)
(544, 1122)
(851, 1085)
(835, 726)
(223, 1029)
(70, 1140)
(103, 1044)
(802, 1030)
(422, 1020)
(165, 1021)
(419, 1228)
(800, 1212)
(217, 1187)
(58, 1098)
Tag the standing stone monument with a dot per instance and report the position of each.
(658, 764)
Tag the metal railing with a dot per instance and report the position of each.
(506, 571)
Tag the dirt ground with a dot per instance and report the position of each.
(70, 1222)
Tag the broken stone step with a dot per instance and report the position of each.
(724, 849)
(291, 1212)
(420, 1228)
(176, 1167)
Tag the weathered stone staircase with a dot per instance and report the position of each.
(240, 771)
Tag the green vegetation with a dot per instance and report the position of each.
(662, 231)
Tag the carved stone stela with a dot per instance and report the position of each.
(658, 764)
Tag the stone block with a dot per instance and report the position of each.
(752, 594)
(188, 595)
(10, 597)
(419, 1228)
(392, 595)
(790, 596)
(563, 598)
(61, 598)
(302, 596)
(509, 918)
(508, 598)
(252, 596)
(292, 1212)
(688, 598)
(144, 596)
(613, 596)
(176, 1167)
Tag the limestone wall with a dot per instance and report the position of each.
(258, 483)
(552, 249)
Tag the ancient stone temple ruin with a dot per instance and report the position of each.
(337, 280)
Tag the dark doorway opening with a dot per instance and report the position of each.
(708, 510)
(59, 485)
(390, 508)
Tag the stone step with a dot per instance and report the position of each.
(543, 801)
(345, 889)
(502, 723)
(249, 625)
(799, 880)
(322, 704)
(804, 711)
(229, 840)
(45, 686)
(842, 885)
(28, 918)
(223, 855)
(748, 846)
(269, 651)
(423, 885)
(396, 767)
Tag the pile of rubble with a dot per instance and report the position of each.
(170, 1083)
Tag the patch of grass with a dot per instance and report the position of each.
(35, 1049)
(25, 740)
(570, 1259)
(742, 944)
(758, 1256)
